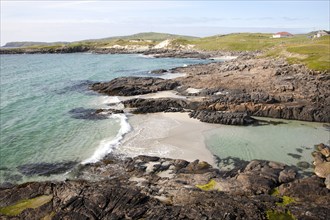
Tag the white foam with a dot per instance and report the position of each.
(112, 100)
(224, 58)
(147, 56)
(108, 145)
(172, 75)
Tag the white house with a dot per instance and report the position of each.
(321, 34)
(282, 34)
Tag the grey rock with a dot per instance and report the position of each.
(129, 86)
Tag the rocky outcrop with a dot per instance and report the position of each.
(221, 117)
(262, 87)
(129, 86)
(153, 188)
(158, 105)
(231, 91)
(321, 157)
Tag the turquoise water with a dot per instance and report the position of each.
(39, 91)
(288, 142)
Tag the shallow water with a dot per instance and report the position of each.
(44, 102)
(289, 142)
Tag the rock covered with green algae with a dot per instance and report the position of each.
(275, 215)
(159, 188)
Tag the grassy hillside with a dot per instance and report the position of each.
(31, 43)
(153, 36)
(314, 53)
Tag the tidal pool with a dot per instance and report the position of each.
(289, 142)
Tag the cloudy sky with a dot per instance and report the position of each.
(59, 20)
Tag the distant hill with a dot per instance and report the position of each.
(154, 36)
(140, 36)
(30, 43)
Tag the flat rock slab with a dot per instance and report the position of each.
(129, 86)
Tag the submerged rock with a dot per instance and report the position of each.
(159, 71)
(46, 169)
(303, 165)
(93, 114)
(77, 86)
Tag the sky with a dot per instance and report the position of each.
(59, 20)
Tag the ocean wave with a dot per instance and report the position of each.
(107, 145)
(146, 56)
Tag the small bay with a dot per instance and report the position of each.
(43, 97)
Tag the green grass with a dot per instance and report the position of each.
(20, 206)
(154, 36)
(235, 42)
(123, 42)
(245, 42)
(316, 52)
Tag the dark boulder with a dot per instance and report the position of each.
(159, 71)
(227, 118)
(157, 105)
(129, 86)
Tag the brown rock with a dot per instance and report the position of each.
(325, 151)
(322, 169)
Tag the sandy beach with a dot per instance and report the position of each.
(172, 135)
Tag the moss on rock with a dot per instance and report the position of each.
(276, 215)
(21, 205)
(212, 185)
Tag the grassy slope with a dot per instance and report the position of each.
(31, 43)
(154, 36)
(315, 53)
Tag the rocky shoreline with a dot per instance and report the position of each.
(232, 91)
(152, 52)
(147, 187)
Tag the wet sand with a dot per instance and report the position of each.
(172, 135)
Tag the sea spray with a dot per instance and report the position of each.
(106, 146)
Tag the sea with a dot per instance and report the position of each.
(47, 122)
(45, 103)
